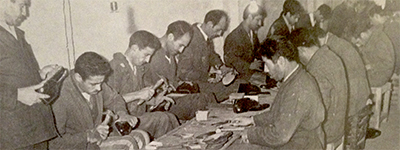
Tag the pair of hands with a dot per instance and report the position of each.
(220, 72)
(101, 132)
(28, 95)
(256, 65)
(243, 121)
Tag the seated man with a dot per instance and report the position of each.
(376, 50)
(295, 118)
(241, 45)
(83, 98)
(314, 19)
(163, 63)
(328, 69)
(127, 80)
(290, 14)
(200, 58)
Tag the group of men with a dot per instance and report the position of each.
(323, 79)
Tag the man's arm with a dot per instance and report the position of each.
(232, 56)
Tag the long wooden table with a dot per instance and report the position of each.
(185, 135)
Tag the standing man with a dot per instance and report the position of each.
(164, 63)
(127, 80)
(324, 12)
(241, 45)
(290, 14)
(26, 123)
(84, 98)
(295, 118)
(328, 70)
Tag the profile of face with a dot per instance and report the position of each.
(16, 12)
(90, 85)
(256, 22)
(305, 55)
(274, 69)
(318, 16)
(141, 56)
(218, 29)
(292, 19)
(177, 46)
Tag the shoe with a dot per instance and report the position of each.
(372, 133)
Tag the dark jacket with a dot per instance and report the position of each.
(239, 51)
(21, 125)
(279, 28)
(197, 58)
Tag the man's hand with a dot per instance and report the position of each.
(100, 133)
(123, 116)
(29, 96)
(46, 69)
(142, 95)
(256, 65)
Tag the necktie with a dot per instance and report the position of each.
(210, 44)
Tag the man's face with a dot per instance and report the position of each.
(219, 28)
(141, 56)
(318, 16)
(305, 55)
(17, 12)
(256, 22)
(91, 85)
(273, 69)
(177, 46)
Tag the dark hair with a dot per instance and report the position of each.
(303, 37)
(318, 32)
(325, 11)
(259, 11)
(215, 16)
(144, 39)
(92, 64)
(292, 6)
(276, 46)
(179, 28)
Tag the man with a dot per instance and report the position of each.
(199, 57)
(342, 21)
(314, 19)
(295, 118)
(84, 96)
(327, 68)
(127, 80)
(164, 63)
(376, 49)
(359, 89)
(392, 30)
(290, 14)
(242, 43)
(26, 123)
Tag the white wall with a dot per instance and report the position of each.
(95, 28)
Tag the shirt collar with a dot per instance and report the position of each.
(290, 74)
(287, 24)
(10, 29)
(202, 32)
(312, 19)
(133, 67)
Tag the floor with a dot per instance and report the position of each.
(390, 137)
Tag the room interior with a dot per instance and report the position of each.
(59, 31)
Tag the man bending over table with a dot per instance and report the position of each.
(294, 121)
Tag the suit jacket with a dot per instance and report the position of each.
(392, 30)
(74, 117)
(328, 69)
(359, 89)
(21, 125)
(279, 28)
(197, 58)
(295, 118)
(123, 81)
(160, 65)
(240, 52)
(379, 57)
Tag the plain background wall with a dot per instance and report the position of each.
(93, 26)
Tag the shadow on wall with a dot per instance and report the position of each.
(132, 27)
